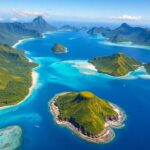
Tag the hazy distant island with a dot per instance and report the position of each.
(117, 65)
(16, 75)
(68, 28)
(59, 48)
(87, 115)
(124, 33)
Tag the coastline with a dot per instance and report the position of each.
(34, 78)
(107, 135)
(125, 44)
(21, 41)
(29, 38)
(89, 69)
(66, 51)
(34, 81)
(83, 66)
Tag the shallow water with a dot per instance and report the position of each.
(57, 73)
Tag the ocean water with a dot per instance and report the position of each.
(59, 73)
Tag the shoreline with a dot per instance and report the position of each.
(34, 77)
(107, 135)
(125, 44)
(89, 69)
(21, 41)
(29, 38)
(34, 81)
(62, 52)
(83, 66)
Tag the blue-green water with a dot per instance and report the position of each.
(57, 73)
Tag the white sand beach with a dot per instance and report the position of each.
(89, 69)
(21, 41)
(34, 78)
(34, 81)
(85, 65)
(125, 44)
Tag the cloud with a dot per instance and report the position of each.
(127, 17)
(14, 19)
(26, 13)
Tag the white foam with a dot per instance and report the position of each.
(125, 44)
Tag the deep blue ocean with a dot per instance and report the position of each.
(59, 73)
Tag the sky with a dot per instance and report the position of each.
(132, 11)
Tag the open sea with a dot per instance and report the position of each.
(66, 72)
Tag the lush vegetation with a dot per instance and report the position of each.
(124, 33)
(116, 65)
(85, 110)
(58, 48)
(15, 75)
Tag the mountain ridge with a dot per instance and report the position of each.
(10, 33)
(124, 33)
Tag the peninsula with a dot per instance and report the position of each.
(15, 75)
(59, 48)
(87, 115)
(117, 65)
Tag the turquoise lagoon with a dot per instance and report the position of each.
(66, 72)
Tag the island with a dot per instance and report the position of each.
(59, 48)
(124, 33)
(15, 75)
(117, 65)
(87, 115)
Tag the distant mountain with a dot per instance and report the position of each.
(10, 33)
(116, 65)
(68, 28)
(124, 33)
(40, 25)
(98, 30)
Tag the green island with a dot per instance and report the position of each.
(59, 48)
(15, 75)
(124, 33)
(117, 65)
(87, 115)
